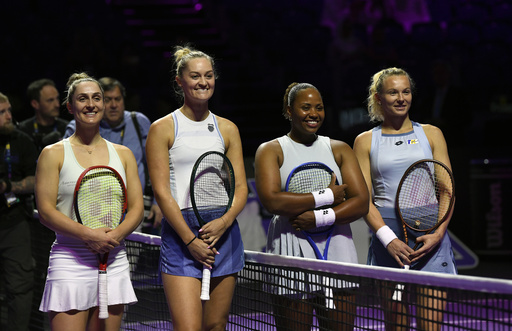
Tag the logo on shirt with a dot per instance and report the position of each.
(398, 143)
(210, 127)
(412, 141)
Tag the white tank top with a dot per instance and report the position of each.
(295, 154)
(70, 172)
(191, 140)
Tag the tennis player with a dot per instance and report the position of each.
(174, 143)
(71, 292)
(384, 153)
(275, 160)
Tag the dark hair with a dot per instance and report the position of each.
(34, 88)
(109, 83)
(291, 93)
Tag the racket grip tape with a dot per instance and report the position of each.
(205, 284)
(102, 295)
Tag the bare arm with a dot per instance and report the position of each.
(269, 158)
(216, 228)
(46, 189)
(134, 195)
(356, 202)
(160, 139)
(396, 248)
(440, 153)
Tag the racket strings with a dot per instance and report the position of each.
(308, 178)
(100, 200)
(425, 196)
(213, 184)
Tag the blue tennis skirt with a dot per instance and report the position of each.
(176, 259)
(440, 259)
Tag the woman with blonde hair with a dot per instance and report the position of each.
(174, 143)
(384, 153)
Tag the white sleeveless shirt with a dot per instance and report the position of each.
(191, 140)
(70, 172)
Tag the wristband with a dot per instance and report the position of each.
(323, 197)
(190, 241)
(385, 235)
(324, 217)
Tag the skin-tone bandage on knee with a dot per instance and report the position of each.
(385, 235)
(323, 197)
(324, 217)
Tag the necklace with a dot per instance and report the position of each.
(83, 146)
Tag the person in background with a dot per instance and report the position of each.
(384, 154)
(70, 295)
(338, 205)
(45, 127)
(174, 143)
(130, 129)
(17, 170)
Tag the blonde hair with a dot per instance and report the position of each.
(3, 98)
(76, 79)
(376, 82)
(182, 55)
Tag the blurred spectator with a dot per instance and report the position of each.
(46, 127)
(17, 170)
(130, 129)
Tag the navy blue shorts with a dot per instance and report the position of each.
(177, 260)
(440, 259)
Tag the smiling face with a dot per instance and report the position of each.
(396, 96)
(197, 80)
(86, 103)
(306, 113)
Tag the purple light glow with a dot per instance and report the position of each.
(198, 6)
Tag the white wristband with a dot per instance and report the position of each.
(323, 197)
(385, 235)
(324, 217)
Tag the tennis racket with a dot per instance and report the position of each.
(306, 178)
(100, 201)
(425, 197)
(212, 188)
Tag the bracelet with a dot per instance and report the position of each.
(190, 241)
(324, 217)
(385, 235)
(323, 197)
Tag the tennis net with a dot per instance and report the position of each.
(286, 293)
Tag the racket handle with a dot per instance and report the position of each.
(329, 296)
(399, 288)
(102, 294)
(205, 284)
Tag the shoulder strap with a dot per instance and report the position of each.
(137, 128)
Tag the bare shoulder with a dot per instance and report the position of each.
(163, 123)
(269, 146)
(54, 151)
(363, 140)
(431, 130)
(121, 148)
(225, 124)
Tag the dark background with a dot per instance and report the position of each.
(262, 46)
